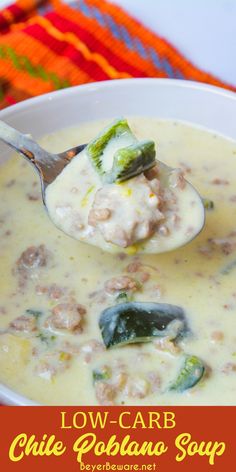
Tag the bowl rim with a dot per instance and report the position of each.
(9, 396)
(96, 86)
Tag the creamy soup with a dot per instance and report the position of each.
(74, 320)
(152, 212)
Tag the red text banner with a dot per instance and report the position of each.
(93, 439)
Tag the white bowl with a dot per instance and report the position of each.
(200, 104)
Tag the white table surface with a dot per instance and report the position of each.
(203, 30)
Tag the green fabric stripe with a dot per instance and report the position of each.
(23, 63)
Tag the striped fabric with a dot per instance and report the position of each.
(49, 45)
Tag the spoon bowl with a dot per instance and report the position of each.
(47, 165)
(50, 166)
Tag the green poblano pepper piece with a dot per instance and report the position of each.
(139, 322)
(96, 147)
(132, 160)
(190, 374)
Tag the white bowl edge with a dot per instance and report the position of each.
(212, 107)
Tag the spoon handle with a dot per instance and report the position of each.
(24, 144)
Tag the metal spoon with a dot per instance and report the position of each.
(48, 165)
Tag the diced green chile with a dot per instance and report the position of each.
(131, 161)
(33, 312)
(44, 338)
(208, 204)
(101, 375)
(138, 322)
(190, 374)
(123, 297)
(128, 161)
(96, 147)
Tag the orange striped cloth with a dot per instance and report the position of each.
(49, 45)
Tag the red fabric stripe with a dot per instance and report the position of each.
(16, 13)
(10, 100)
(4, 25)
(65, 25)
(67, 50)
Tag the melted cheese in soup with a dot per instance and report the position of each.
(54, 288)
